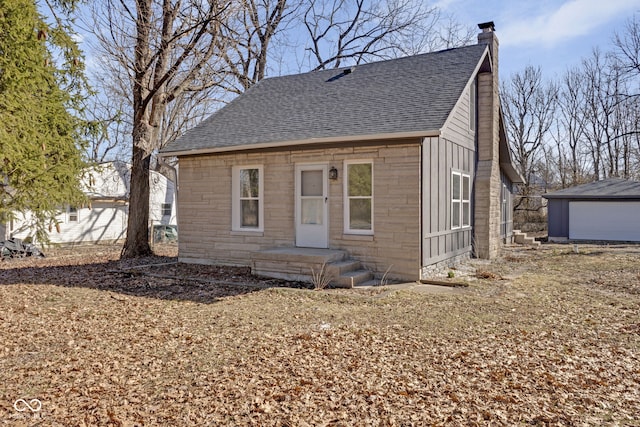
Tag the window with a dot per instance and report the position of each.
(460, 200)
(166, 209)
(72, 213)
(247, 209)
(358, 197)
(472, 106)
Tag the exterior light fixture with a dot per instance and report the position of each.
(333, 173)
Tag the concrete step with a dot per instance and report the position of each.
(522, 239)
(352, 278)
(338, 268)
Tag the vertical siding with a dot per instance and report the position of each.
(558, 218)
(440, 158)
(506, 221)
(205, 206)
(453, 151)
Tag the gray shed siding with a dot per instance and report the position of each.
(558, 218)
(558, 215)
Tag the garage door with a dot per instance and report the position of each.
(604, 221)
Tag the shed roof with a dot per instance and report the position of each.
(408, 95)
(611, 188)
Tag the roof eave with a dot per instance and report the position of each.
(592, 197)
(309, 141)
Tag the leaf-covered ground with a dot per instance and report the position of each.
(551, 338)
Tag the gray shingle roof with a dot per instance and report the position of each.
(611, 188)
(411, 94)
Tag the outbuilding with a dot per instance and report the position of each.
(607, 210)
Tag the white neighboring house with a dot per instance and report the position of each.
(105, 219)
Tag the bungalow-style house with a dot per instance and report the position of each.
(607, 210)
(104, 218)
(393, 167)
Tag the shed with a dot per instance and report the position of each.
(607, 210)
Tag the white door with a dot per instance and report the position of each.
(311, 206)
(604, 221)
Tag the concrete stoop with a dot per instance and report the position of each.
(522, 239)
(299, 264)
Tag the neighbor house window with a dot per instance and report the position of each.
(166, 209)
(72, 213)
(358, 197)
(247, 210)
(460, 200)
(472, 106)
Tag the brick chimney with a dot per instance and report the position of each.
(487, 184)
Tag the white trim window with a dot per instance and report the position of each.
(72, 214)
(247, 196)
(358, 197)
(460, 200)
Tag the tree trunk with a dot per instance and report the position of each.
(137, 242)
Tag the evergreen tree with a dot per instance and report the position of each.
(40, 149)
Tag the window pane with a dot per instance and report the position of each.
(249, 213)
(455, 214)
(455, 183)
(249, 184)
(312, 211)
(466, 213)
(311, 183)
(465, 187)
(360, 179)
(360, 214)
(73, 214)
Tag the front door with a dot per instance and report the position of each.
(311, 206)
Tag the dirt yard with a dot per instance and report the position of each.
(545, 337)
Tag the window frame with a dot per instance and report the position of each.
(236, 223)
(347, 198)
(71, 210)
(166, 209)
(463, 203)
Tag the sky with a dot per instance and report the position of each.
(552, 34)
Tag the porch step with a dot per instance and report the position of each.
(338, 268)
(298, 263)
(293, 263)
(352, 278)
(522, 239)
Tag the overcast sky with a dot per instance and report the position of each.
(554, 34)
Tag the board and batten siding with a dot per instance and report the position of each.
(205, 198)
(440, 159)
(506, 209)
(453, 151)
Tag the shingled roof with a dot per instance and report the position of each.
(612, 188)
(401, 96)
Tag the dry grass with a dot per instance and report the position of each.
(102, 344)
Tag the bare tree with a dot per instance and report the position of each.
(627, 46)
(246, 37)
(168, 49)
(356, 31)
(529, 105)
(571, 128)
